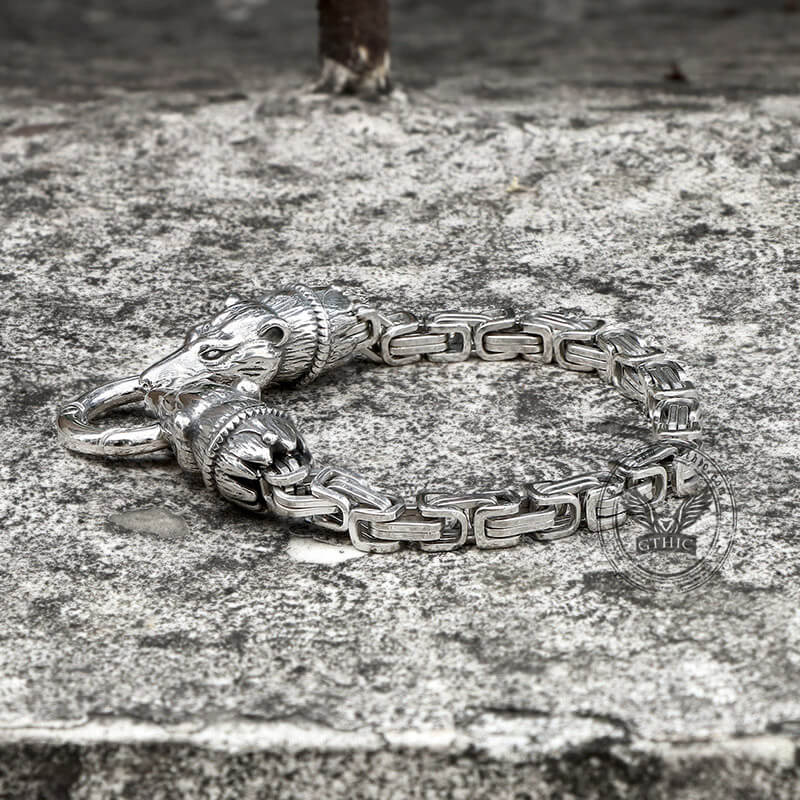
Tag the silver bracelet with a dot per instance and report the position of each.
(206, 401)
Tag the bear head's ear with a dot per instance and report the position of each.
(275, 331)
(232, 299)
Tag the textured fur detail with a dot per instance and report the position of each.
(238, 343)
(291, 335)
(231, 438)
(287, 336)
(303, 343)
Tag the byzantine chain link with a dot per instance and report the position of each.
(377, 520)
(638, 370)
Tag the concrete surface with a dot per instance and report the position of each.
(189, 650)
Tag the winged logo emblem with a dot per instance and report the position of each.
(666, 532)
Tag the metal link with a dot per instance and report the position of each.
(455, 327)
(472, 319)
(401, 323)
(534, 522)
(546, 324)
(410, 526)
(565, 508)
(683, 479)
(547, 511)
(603, 507)
(373, 321)
(518, 344)
(651, 473)
(376, 323)
(579, 487)
(455, 513)
(297, 502)
(363, 520)
(506, 338)
(363, 331)
(574, 348)
(359, 505)
(663, 380)
(287, 471)
(536, 328)
(343, 489)
(418, 344)
(677, 415)
(684, 476)
(580, 357)
(483, 349)
(505, 503)
(625, 351)
(671, 401)
(677, 418)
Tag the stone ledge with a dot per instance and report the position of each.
(104, 758)
(497, 736)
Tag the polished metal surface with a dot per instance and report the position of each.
(78, 432)
(206, 397)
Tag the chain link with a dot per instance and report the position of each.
(378, 521)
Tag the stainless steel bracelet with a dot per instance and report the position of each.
(207, 399)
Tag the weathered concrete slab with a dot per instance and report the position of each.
(136, 658)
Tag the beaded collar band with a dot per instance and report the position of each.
(205, 399)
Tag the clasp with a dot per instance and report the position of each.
(290, 335)
(78, 431)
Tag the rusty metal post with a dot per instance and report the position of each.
(354, 45)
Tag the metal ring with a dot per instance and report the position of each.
(77, 431)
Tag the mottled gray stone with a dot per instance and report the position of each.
(241, 661)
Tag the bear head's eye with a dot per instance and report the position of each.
(212, 354)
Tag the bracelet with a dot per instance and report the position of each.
(206, 400)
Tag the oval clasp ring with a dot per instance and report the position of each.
(77, 431)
